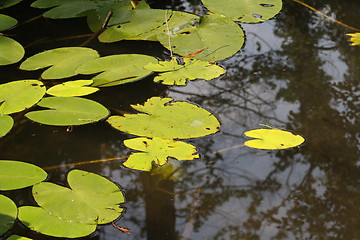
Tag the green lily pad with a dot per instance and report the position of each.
(136, 25)
(245, 11)
(65, 111)
(16, 175)
(6, 123)
(92, 198)
(16, 237)
(18, 95)
(63, 61)
(10, 51)
(273, 138)
(176, 74)
(72, 89)
(8, 213)
(8, 3)
(166, 119)
(37, 219)
(6, 22)
(157, 150)
(117, 69)
(218, 36)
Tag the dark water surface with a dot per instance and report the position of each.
(296, 72)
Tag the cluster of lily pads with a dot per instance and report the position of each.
(161, 123)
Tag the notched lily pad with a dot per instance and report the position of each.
(16, 96)
(176, 74)
(16, 175)
(272, 139)
(10, 51)
(157, 150)
(8, 214)
(37, 219)
(6, 22)
(91, 198)
(161, 117)
(72, 89)
(65, 111)
(6, 123)
(62, 61)
(245, 11)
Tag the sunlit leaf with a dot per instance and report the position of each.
(161, 117)
(72, 89)
(354, 38)
(65, 111)
(272, 139)
(244, 10)
(6, 22)
(8, 213)
(6, 123)
(8, 3)
(16, 237)
(10, 51)
(92, 198)
(117, 69)
(176, 74)
(37, 219)
(219, 36)
(18, 95)
(157, 150)
(136, 25)
(63, 61)
(16, 175)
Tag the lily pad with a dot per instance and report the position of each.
(16, 175)
(136, 25)
(16, 237)
(176, 74)
(6, 22)
(117, 69)
(8, 3)
(10, 51)
(72, 89)
(92, 198)
(8, 213)
(63, 61)
(166, 119)
(6, 123)
(18, 95)
(65, 111)
(273, 138)
(245, 11)
(218, 36)
(37, 219)
(157, 150)
(354, 38)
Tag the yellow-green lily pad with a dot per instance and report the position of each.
(72, 89)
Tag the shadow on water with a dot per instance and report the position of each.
(296, 72)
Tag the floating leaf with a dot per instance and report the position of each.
(272, 139)
(117, 69)
(6, 123)
(157, 150)
(245, 11)
(8, 3)
(176, 74)
(8, 213)
(16, 175)
(92, 198)
(18, 95)
(6, 22)
(65, 111)
(16, 237)
(10, 51)
(39, 220)
(136, 24)
(219, 36)
(72, 88)
(166, 119)
(63, 61)
(354, 38)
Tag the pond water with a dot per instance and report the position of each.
(296, 72)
